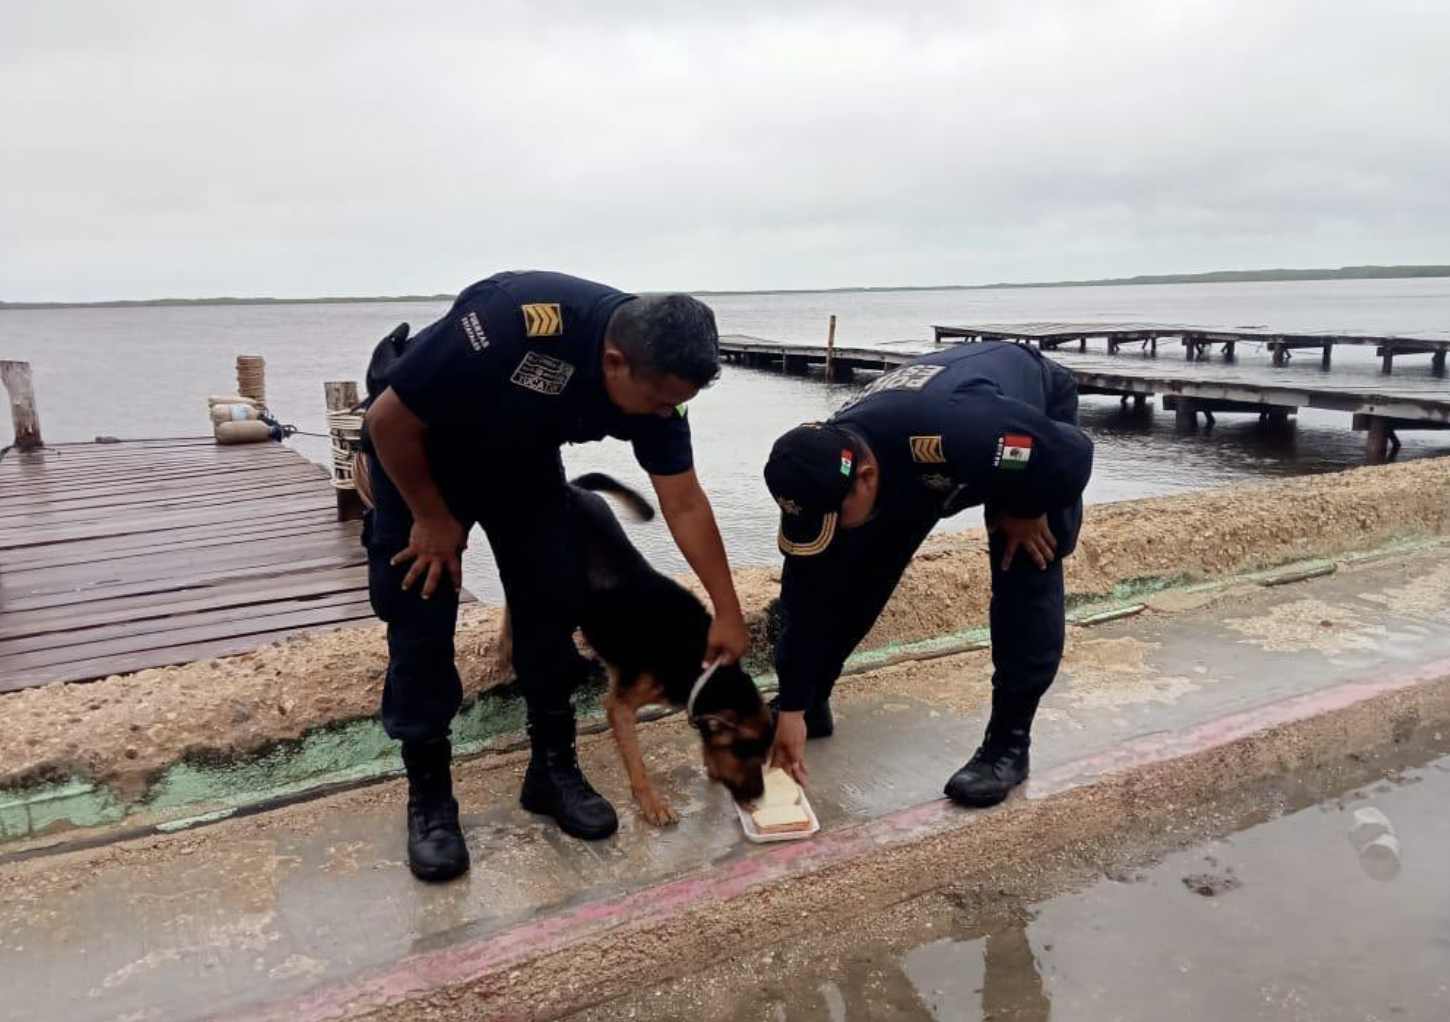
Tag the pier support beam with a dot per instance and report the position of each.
(1381, 443)
(1327, 356)
(1387, 360)
(796, 365)
(1437, 363)
(1376, 439)
(1185, 411)
(15, 376)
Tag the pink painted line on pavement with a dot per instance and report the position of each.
(470, 961)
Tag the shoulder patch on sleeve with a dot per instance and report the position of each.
(543, 319)
(927, 450)
(1014, 451)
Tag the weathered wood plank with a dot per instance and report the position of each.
(223, 596)
(115, 557)
(103, 666)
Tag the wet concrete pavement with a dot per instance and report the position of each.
(251, 911)
(1285, 920)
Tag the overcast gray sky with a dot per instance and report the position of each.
(187, 149)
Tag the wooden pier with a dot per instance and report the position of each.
(1198, 342)
(1378, 407)
(120, 556)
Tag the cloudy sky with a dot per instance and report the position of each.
(286, 148)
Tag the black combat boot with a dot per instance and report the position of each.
(555, 786)
(436, 850)
(1001, 762)
(820, 722)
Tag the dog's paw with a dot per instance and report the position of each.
(658, 812)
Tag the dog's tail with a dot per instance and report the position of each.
(599, 482)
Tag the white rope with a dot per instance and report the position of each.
(345, 431)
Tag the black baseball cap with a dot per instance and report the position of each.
(810, 471)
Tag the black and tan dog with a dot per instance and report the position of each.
(650, 631)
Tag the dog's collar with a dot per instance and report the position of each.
(699, 687)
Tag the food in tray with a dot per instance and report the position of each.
(780, 810)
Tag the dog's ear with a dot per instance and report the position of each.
(712, 724)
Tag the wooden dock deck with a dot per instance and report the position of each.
(1197, 341)
(119, 556)
(1378, 406)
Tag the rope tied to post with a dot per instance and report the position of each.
(344, 429)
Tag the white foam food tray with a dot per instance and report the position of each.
(752, 833)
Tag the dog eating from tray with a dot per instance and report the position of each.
(651, 633)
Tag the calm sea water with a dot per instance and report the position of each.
(146, 372)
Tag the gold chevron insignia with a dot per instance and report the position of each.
(926, 450)
(543, 319)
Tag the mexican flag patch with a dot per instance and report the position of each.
(1014, 451)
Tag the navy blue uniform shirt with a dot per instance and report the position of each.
(987, 423)
(514, 367)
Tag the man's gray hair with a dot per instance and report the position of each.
(668, 335)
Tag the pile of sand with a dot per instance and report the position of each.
(123, 729)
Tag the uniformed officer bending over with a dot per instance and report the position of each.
(987, 423)
(469, 430)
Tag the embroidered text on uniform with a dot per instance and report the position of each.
(542, 374)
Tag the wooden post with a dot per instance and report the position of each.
(341, 396)
(16, 378)
(831, 349)
(1437, 363)
(1376, 440)
(1279, 350)
(1327, 356)
(1387, 365)
(1186, 413)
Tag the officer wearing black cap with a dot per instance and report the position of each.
(466, 428)
(986, 423)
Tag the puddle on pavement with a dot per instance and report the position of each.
(1340, 910)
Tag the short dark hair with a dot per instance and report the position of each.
(668, 335)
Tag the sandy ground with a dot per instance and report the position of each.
(124, 729)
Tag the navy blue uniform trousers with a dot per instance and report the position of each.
(523, 508)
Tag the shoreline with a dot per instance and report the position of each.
(1400, 272)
